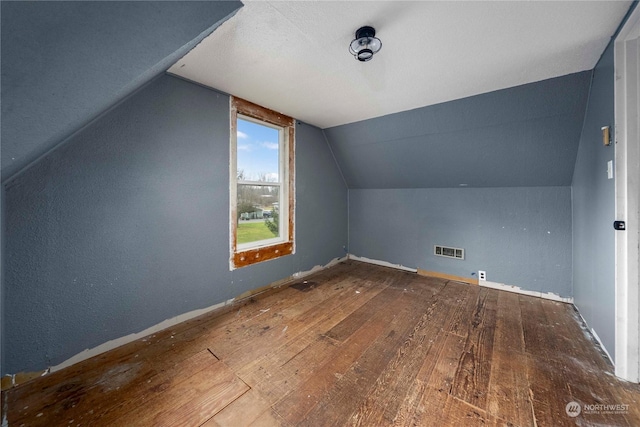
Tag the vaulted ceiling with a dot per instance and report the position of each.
(525, 136)
(462, 94)
(64, 63)
(292, 56)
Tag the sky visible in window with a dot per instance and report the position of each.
(257, 151)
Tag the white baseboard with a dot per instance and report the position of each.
(485, 283)
(316, 268)
(110, 345)
(595, 335)
(517, 290)
(382, 263)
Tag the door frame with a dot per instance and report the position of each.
(627, 188)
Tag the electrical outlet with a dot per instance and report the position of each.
(482, 275)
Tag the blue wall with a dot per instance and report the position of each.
(513, 150)
(594, 206)
(65, 62)
(524, 136)
(519, 236)
(594, 210)
(126, 225)
(2, 268)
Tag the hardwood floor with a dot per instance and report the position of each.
(355, 344)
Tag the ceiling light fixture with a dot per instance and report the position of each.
(365, 45)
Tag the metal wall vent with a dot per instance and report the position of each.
(448, 252)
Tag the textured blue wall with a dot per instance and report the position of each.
(594, 210)
(520, 236)
(64, 62)
(514, 149)
(524, 136)
(2, 269)
(594, 206)
(126, 225)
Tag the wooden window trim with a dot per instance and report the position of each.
(243, 258)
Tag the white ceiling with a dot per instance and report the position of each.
(292, 56)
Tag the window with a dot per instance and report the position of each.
(262, 185)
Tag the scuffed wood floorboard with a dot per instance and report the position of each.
(355, 344)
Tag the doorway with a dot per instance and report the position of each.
(627, 189)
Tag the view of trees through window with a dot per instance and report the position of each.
(258, 182)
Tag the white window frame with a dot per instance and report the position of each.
(253, 252)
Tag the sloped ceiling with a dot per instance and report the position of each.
(63, 63)
(292, 56)
(525, 136)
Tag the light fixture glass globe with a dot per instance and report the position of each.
(374, 44)
(365, 55)
(356, 45)
(365, 45)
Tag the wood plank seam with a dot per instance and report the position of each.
(429, 352)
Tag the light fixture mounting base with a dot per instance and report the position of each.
(365, 31)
